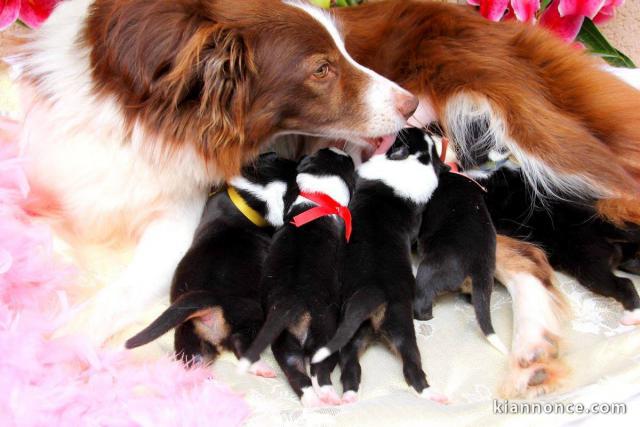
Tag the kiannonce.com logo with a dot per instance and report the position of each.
(505, 407)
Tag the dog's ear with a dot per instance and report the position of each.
(212, 76)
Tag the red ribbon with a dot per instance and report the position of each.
(326, 206)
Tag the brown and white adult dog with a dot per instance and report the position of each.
(138, 106)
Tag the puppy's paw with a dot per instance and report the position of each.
(262, 369)
(328, 395)
(429, 394)
(349, 396)
(631, 318)
(310, 399)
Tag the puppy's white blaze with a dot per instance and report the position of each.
(271, 194)
(631, 317)
(409, 178)
(465, 109)
(331, 185)
(243, 366)
(320, 355)
(495, 341)
(384, 117)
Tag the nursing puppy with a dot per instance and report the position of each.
(577, 241)
(457, 246)
(377, 280)
(301, 281)
(216, 295)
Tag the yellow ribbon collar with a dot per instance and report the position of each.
(242, 205)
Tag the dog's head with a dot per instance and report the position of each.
(410, 167)
(226, 76)
(329, 171)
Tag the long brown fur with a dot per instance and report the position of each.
(558, 105)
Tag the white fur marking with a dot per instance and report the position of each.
(495, 341)
(243, 366)
(466, 109)
(409, 178)
(271, 194)
(320, 355)
(330, 185)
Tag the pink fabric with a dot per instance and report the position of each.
(66, 381)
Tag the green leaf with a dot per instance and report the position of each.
(598, 45)
(544, 4)
(322, 3)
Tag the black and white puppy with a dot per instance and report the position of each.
(377, 280)
(215, 294)
(456, 246)
(301, 281)
(576, 240)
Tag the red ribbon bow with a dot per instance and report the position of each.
(326, 206)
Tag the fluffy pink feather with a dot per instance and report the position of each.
(67, 381)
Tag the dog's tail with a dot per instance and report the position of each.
(481, 298)
(281, 315)
(186, 307)
(359, 308)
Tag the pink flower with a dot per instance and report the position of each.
(564, 17)
(31, 12)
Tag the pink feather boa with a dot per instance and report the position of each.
(66, 381)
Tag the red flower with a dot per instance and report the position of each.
(32, 12)
(564, 17)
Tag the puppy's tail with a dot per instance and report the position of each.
(359, 308)
(281, 315)
(186, 307)
(481, 299)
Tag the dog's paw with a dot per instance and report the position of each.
(534, 367)
(631, 318)
(429, 394)
(328, 395)
(262, 369)
(349, 396)
(310, 399)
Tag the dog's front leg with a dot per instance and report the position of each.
(534, 364)
(147, 278)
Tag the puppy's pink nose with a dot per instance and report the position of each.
(406, 103)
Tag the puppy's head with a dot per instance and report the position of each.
(329, 171)
(226, 76)
(410, 167)
(268, 184)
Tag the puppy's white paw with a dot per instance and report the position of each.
(429, 394)
(631, 318)
(243, 366)
(349, 396)
(329, 395)
(262, 369)
(310, 399)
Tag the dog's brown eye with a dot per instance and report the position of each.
(322, 71)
